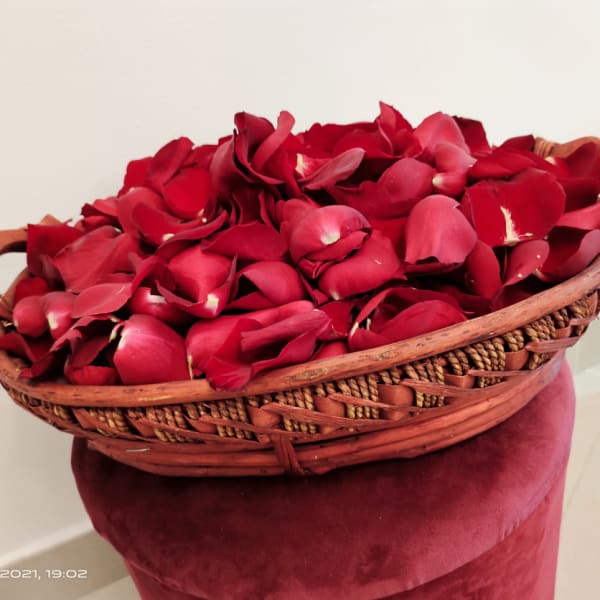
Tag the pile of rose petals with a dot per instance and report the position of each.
(273, 248)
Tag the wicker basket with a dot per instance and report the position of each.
(400, 400)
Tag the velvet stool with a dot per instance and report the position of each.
(479, 521)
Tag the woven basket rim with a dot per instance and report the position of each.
(313, 372)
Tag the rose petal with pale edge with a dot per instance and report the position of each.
(451, 158)
(436, 129)
(31, 286)
(102, 298)
(250, 241)
(323, 227)
(506, 212)
(436, 228)
(58, 308)
(585, 218)
(571, 250)
(277, 282)
(449, 184)
(150, 352)
(483, 271)
(145, 302)
(340, 313)
(188, 193)
(135, 174)
(524, 259)
(331, 349)
(167, 161)
(399, 188)
(29, 317)
(86, 349)
(43, 243)
(91, 375)
(209, 306)
(336, 169)
(81, 328)
(193, 231)
(157, 226)
(197, 272)
(375, 263)
(474, 135)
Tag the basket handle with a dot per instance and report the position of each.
(15, 240)
(547, 148)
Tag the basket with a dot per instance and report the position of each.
(395, 401)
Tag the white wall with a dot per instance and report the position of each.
(84, 86)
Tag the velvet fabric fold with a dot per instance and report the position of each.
(478, 520)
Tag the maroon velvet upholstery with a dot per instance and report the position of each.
(479, 520)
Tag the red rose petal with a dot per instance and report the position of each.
(524, 259)
(571, 250)
(585, 218)
(439, 128)
(91, 375)
(128, 203)
(198, 272)
(95, 256)
(314, 321)
(31, 286)
(250, 241)
(400, 313)
(102, 298)
(58, 308)
(436, 228)
(331, 349)
(32, 349)
(474, 135)
(336, 169)
(375, 263)
(29, 317)
(188, 193)
(502, 162)
(276, 283)
(585, 161)
(145, 302)
(507, 212)
(167, 161)
(450, 184)
(135, 174)
(483, 271)
(322, 227)
(43, 243)
(150, 352)
(399, 188)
